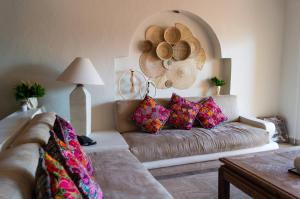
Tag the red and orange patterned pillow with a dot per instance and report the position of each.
(150, 116)
(210, 114)
(53, 181)
(183, 112)
(65, 132)
(85, 183)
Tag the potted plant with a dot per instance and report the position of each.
(218, 83)
(27, 94)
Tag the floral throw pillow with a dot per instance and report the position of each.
(183, 112)
(85, 183)
(65, 132)
(210, 114)
(52, 180)
(281, 133)
(150, 116)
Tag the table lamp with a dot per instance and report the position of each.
(81, 71)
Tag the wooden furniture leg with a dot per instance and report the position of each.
(223, 185)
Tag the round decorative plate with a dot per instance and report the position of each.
(181, 50)
(201, 59)
(155, 34)
(183, 74)
(164, 51)
(184, 31)
(195, 45)
(172, 35)
(160, 82)
(151, 65)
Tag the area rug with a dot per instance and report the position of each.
(195, 181)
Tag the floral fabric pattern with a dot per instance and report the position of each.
(183, 112)
(86, 183)
(150, 116)
(65, 132)
(52, 180)
(210, 114)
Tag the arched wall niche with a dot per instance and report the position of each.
(215, 65)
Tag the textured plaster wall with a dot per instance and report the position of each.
(290, 72)
(38, 39)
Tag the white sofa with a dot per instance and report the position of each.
(154, 151)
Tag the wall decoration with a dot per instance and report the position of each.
(134, 85)
(155, 34)
(171, 56)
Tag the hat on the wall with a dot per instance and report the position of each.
(183, 74)
(151, 65)
(155, 34)
(184, 31)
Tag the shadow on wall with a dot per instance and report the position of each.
(14, 74)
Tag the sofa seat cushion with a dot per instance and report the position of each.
(121, 175)
(173, 143)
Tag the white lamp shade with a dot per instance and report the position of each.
(81, 71)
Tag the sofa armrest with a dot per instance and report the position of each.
(252, 121)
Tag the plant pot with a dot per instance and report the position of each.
(32, 103)
(218, 90)
(24, 107)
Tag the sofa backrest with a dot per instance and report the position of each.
(17, 171)
(125, 108)
(37, 130)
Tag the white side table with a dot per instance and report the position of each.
(106, 140)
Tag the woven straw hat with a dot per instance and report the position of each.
(201, 59)
(184, 31)
(181, 50)
(195, 45)
(183, 74)
(150, 65)
(172, 35)
(147, 46)
(155, 34)
(160, 82)
(164, 51)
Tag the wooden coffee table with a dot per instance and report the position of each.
(261, 175)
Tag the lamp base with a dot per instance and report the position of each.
(80, 109)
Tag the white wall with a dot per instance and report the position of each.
(290, 73)
(38, 39)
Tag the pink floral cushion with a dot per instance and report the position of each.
(210, 114)
(150, 116)
(183, 112)
(52, 180)
(65, 132)
(85, 183)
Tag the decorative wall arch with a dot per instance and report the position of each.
(215, 66)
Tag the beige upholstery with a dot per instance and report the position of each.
(174, 143)
(268, 126)
(121, 175)
(37, 130)
(17, 171)
(125, 108)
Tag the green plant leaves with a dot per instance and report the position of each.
(24, 91)
(218, 82)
